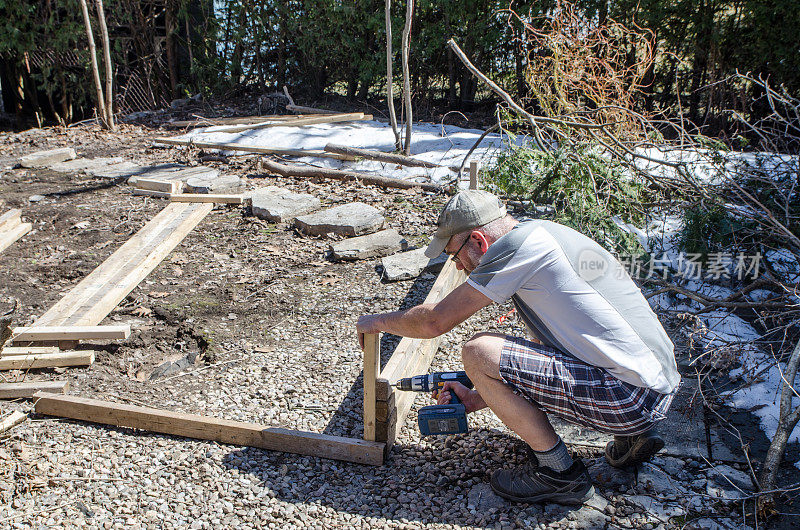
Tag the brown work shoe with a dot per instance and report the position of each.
(533, 483)
(627, 451)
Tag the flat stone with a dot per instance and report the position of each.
(353, 219)
(727, 483)
(481, 498)
(658, 480)
(407, 265)
(378, 244)
(606, 476)
(655, 508)
(166, 171)
(213, 184)
(82, 164)
(280, 205)
(122, 169)
(45, 158)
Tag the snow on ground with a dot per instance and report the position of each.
(444, 145)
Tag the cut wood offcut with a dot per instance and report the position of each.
(42, 333)
(208, 428)
(47, 360)
(27, 390)
(12, 228)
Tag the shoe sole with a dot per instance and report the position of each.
(566, 498)
(641, 452)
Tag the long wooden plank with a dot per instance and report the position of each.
(88, 303)
(47, 360)
(10, 219)
(38, 333)
(283, 151)
(8, 237)
(372, 360)
(209, 122)
(207, 197)
(328, 118)
(209, 428)
(27, 390)
(130, 251)
(411, 357)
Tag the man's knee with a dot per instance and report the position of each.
(482, 352)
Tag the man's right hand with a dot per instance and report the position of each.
(471, 399)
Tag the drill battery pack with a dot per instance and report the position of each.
(442, 419)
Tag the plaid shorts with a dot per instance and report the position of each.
(577, 392)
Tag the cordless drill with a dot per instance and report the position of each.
(439, 419)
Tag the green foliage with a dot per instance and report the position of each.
(587, 190)
(707, 229)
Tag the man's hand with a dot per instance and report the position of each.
(367, 324)
(471, 399)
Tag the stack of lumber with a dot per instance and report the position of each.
(12, 228)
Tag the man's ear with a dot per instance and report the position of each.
(483, 243)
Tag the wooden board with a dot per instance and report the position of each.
(47, 360)
(27, 390)
(209, 428)
(372, 361)
(283, 151)
(15, 418)
(209, 122)
(152, 193)
(89, 302)
(37, 333)
(411, 357)
(168, 186)
(328, 118)
(207, 197)
(10, 219)
(7, 238)
(28, 350)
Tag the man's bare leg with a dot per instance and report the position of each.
(481, 357)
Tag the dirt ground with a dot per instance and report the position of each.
(245, 320)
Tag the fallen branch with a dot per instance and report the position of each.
(308, 110)
(283, 151)
(392, 158)
(377, 180)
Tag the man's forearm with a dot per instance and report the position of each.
(419, 322)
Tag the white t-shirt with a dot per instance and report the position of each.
(575, 296)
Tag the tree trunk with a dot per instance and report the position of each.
(787, 420)
(389, 87)
(704, 22)
(406, 75)
(101, 102)
(170, 26)
(101, 18)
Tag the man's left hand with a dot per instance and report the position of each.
(367, 324)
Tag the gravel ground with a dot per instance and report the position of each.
(249, 321)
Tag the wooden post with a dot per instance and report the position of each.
(372, 360)
(474, 168)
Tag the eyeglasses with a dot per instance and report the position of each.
(454, 255)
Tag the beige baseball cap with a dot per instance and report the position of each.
(464, 211)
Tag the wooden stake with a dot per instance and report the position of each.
(474, 168)
(372, 360)
(208, 428)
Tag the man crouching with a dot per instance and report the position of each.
(599, 356)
